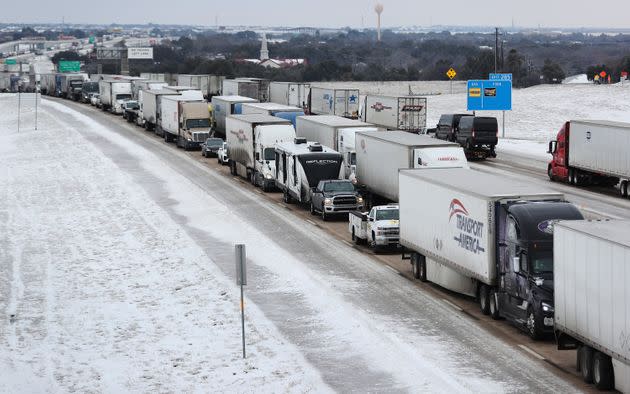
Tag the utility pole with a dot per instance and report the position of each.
(496, 48)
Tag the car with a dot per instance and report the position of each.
(211, 147)
(447, 126)
(335, 196)
(130, 110)
(222, 156)
(95, 100)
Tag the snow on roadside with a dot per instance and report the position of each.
(107, 293)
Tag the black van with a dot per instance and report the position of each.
(447, 126)
(478, 132)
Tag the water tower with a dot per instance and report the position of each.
(378, 8)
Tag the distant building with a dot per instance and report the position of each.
(265, 61)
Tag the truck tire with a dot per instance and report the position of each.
(373, 244)
(324, 215)
(484, 298)
(571, 176)
(533, 325)
(623, 188)
(419, 267)
(586, 363)
(494, 306)
(313, 212)
(603, 375)
(550, 173)
(286, 197)
(415, 268)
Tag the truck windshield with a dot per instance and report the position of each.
(270, 154)
(387, 214)
(353, 159)
(542, 262)
(123, 96)
(197, 123)
(339, 187)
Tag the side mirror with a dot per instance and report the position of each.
(419, 161)
(552, 147)
(516, 264)
(371, 219)
(257, 156)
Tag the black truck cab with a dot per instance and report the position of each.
(525, 263)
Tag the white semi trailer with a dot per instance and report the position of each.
(592, 307)
(406, 113)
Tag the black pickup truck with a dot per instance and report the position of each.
(336, 196)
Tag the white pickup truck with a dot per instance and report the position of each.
(379, 227)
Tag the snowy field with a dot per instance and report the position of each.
(100, 291)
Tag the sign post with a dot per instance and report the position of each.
(494, 94)
(451, 73)
(241, 280)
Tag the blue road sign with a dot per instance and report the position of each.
(486, 95)
(500, 77)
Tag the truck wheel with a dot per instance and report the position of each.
(354, 237)
(494, 307)
(315, 213)
(550, 173)
(586, 363)
(422, 268)
(533, 325)
(324, 216)
(373, 244)
(415, 267)
(484, 303)
(232, 167)
(623, 188)
(286, 197)
(571, 176)
(602, 371)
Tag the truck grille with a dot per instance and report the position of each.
(393, 232)
(200, 137)
(345, 200)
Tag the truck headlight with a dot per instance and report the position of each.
(268, 176)
(547, 307)
(328, 201)
(359, 200)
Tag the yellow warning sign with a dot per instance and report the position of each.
(474, 92)
(451, 73)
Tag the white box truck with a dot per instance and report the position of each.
(487, 236)
(251, 140)
(334, 101)
(210, 85)
(336, 132)
(224, 106)
(287, 112)
(255, 88)
(289, 93)
(113, 93)
(150, 107)
(588, 152)
(407, 113)
(185, 121)
(592, 306)
(379, 156)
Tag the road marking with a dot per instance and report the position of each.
(452, 305)
(348, 242)
(282, 205)
(311, 222)
(530, 351)
(389, 267)
(259, 192)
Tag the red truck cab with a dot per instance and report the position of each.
(558, 168)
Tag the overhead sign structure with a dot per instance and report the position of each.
(69, 66)
(451, 73)
(489, 95)
(140, 53)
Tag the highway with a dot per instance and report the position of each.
(382, 286)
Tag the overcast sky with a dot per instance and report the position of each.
(325, 13)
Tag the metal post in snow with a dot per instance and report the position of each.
(503, 134)
(19, 105)
(36, 90)
(241, 279)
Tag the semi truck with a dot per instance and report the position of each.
(255, 88)
(591, 276)
(251, 139)
(485, 236)
(334, 101)
(69, 85)
(379, 156)
(210, 85)
(406, 113)
(336, 132)
(113, 93)
(588, 152)
(289, 93)
(151, 107)
(224, 106)
(185, 121)
(301, 165)
(287, 112)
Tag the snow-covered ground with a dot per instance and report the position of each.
(101, 291)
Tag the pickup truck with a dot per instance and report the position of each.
(335, 196)
(130, 110)
(379, 227)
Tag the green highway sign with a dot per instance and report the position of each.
(92, 40)
(69, 66)
(10, 61)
